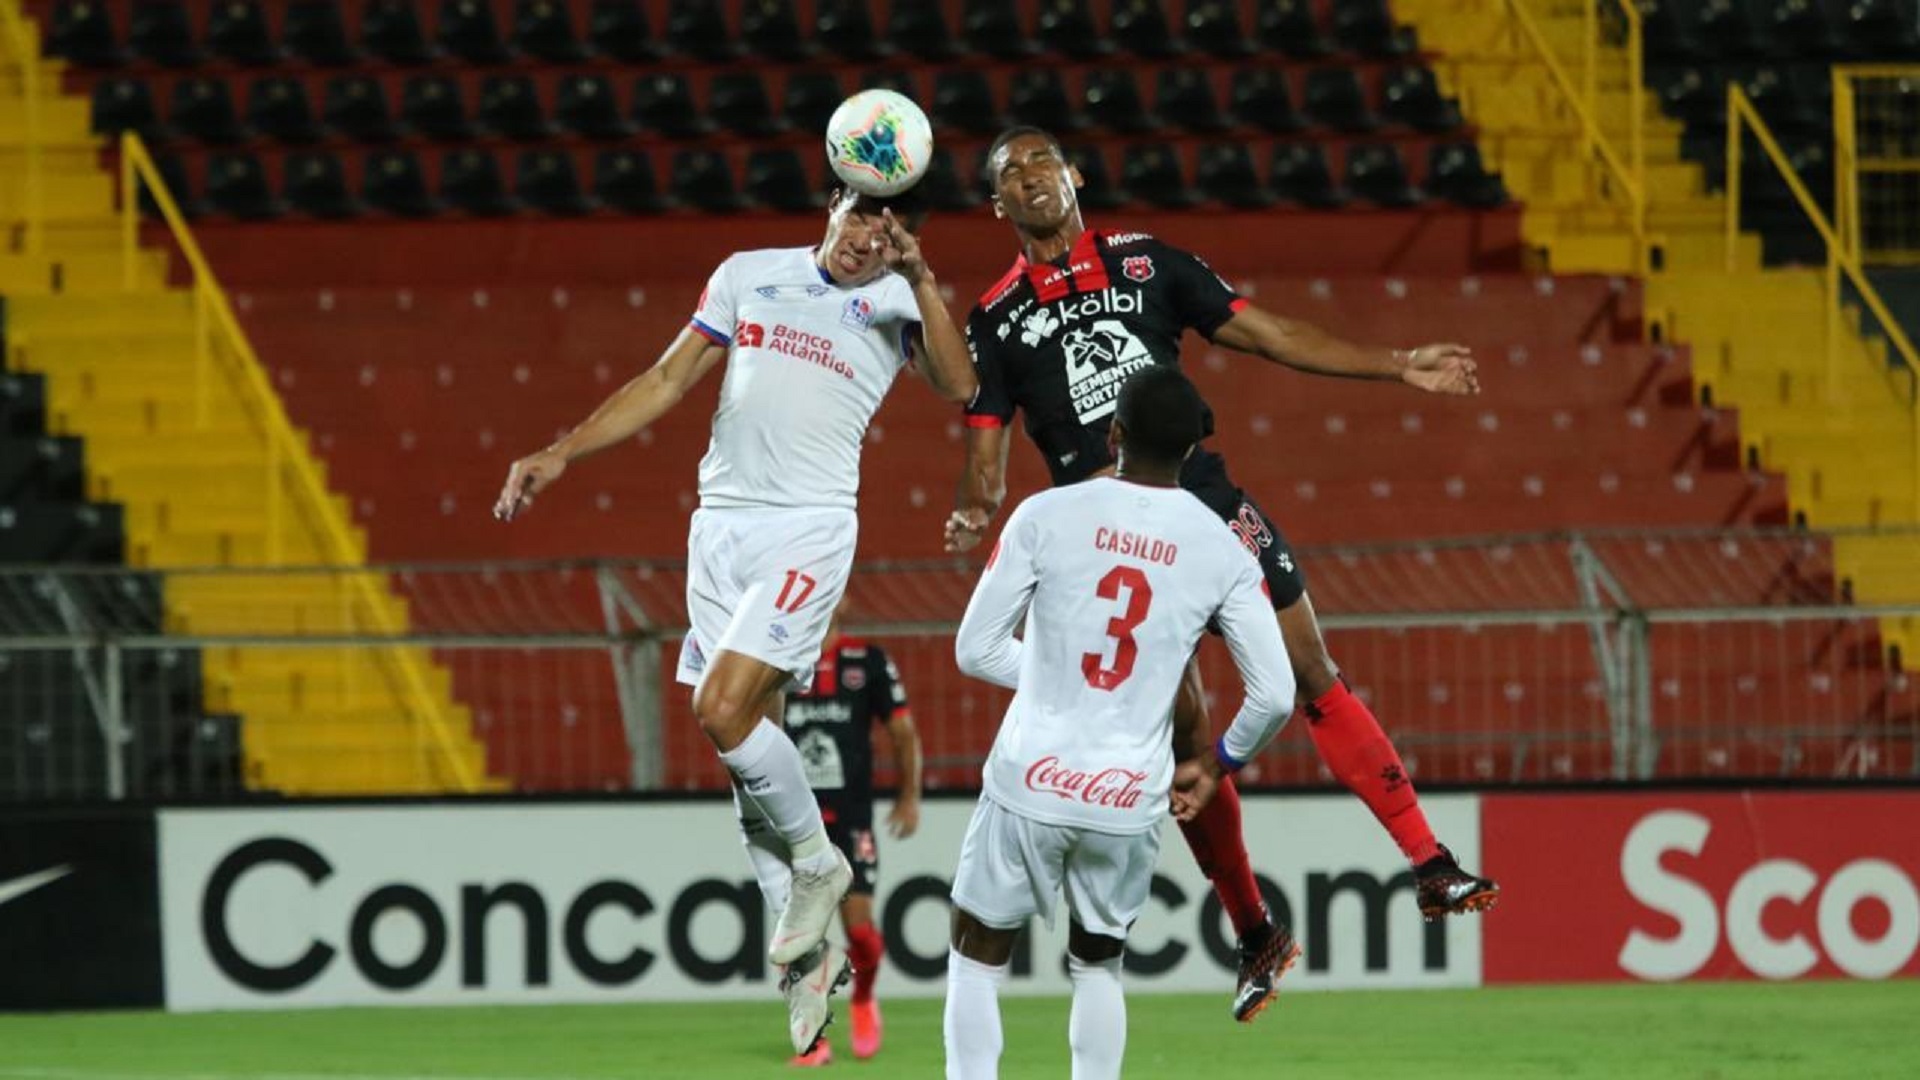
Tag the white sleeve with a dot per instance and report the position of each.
(1247, 621)
(713, 315)
(986, 648)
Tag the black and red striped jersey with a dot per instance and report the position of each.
(1056, 340)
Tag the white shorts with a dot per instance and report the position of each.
(764, 583)
(1013, 867)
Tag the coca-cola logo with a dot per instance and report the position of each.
(1113, 788)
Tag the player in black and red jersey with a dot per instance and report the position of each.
(1055, 338)
(855, 686)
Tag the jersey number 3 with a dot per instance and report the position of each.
(1120, 628)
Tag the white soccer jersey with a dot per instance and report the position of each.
(1117, 581)
(808, 363)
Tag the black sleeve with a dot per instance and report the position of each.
(991, 405)
(1201, 298)
(889, 694)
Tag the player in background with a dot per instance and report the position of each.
(856, 686)
(812, 339)
(1081, 310)
(1116, 580)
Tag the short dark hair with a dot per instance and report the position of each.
(909, 206)
(1015, 132)
(1161, 415)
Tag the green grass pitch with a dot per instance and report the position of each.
(1699, 1031)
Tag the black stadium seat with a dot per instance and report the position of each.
(203, 109)
(845, 28)
(173, 175)
(431, 105)
(546, 181)
(623, 180)
(394, 184)
(315, 32)
(618, 28)
(1152, 172)
(776, 179)
(964, 99)
(771, 28)
(1036, 96)
(159, 31)
(587, 105)
(919, 27)
(992, 28)
(237, 31)
(1367, 27)
(738, 101)
(943, 187)
(510, 106)
(810, 99)
(1113, 101)
(125, 104)
(1299, 174)
(702, 179)
(390, 29)
(316, 185)
(1141, 28)
(698, 28)
(1097, 190)
(83, 33)
(543, 29)
(664, 103)
(1184, 96)
(237, 187)
(467, 30)
(1456, 173)
(1067, 27)
(1226, 173)
(1288, 26)
(1411, 96)
(1261, 98)
(1376, 173)
(356, 106)
(277, 108)
(1214, 26)
(1334, 98)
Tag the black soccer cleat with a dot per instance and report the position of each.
(1265, 954)
(1444, 889)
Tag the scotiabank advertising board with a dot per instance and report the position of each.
(621, 902)
(1661, 887)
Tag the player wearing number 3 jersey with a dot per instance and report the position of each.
(1116, 578)
(812, 340)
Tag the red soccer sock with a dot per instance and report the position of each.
(1360, 756)
(864, 946)
(1220, 848)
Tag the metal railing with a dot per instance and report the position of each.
(1603, 656)
(1577, 80)
(1842, 261)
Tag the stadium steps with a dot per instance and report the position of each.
(187, 458)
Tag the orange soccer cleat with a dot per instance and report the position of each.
(866, 1028)
(821, 1055)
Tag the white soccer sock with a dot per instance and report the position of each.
(973, 1018)
(766, 852)
(1097, 1027)
(768, 767)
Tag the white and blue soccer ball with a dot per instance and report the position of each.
(878, 142)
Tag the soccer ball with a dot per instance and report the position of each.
(878, 142)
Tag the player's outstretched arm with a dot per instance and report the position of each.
(1440, 368)
(944, 360)
(985, 647)
(640, 402)
(904, 820)
(983, 487)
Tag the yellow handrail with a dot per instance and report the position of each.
(22, 49)
(1842, 262)
(1629, 172)
(214, 319)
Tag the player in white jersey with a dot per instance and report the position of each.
(1116, 578)
(812, 339)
